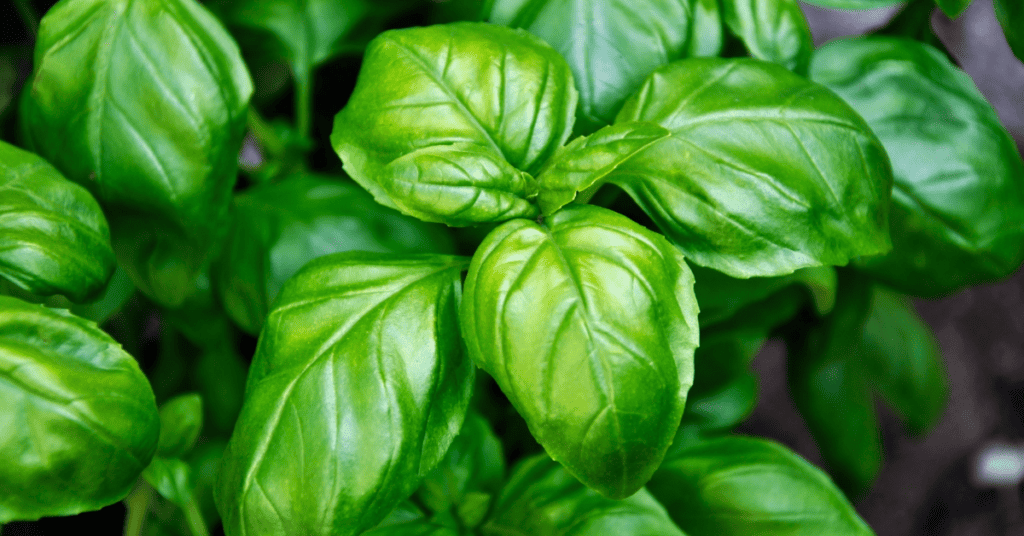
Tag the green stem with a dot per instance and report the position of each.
(265, 135)
(28, 16)
(137, 504)
(304, 103)
(194, 517)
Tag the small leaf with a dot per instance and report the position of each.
(772, 30)
(588, 324)
(171, 478)
(1011, 18)
(181, 420)
(707, 34)
(953, 8)
(721, 297)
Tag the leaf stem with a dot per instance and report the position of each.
(304, 103)
(28, 16)
(194, 517)
(137, 504)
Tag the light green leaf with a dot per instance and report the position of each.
(588, 324)
(741, 486)
(952, 161)
(53, 236)
(359, 376)
(171, 478)
(181, 420)
(953, 8)
(764, 172)
(1011, 17)
(151, 128)
(707, 34)
(771, 30)
(79, 418)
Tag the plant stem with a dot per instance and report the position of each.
(265, 134)
(137, 504)
(194, 517)
(304, 103)
(28, 16)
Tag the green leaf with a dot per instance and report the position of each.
(278, 228)
(181, 420)
(418, 99)
(764, 173)
(413, 528)
(740, 486)
(53, 236)
(359, 376)
(902, 359)
(771, 30)
(706, 33)
(951, 159)
(588, 324)
(953, 8)
(828, 385)
(542, 498)
(172, 479)
(724, 408)
(722, 297)
(79, 418)
(152, 128)
(1011, 18)
(610, 45)
(853, 4)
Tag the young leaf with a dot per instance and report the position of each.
(181, 420)
(951, 159)
(542, 498)
(53, 236)
(953, 8)
(706, 33)
(171, 478)
(79, 418)
(901, 358)
(152, 127)
(764, 172)
(722, 297)
(740, 486)
(1011, 18)
(611, 45)
(588, 324)
(359, 377)
(772, 30)
(462, 94)
(278, 228)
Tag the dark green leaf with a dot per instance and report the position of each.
(413, 528)
(357, 389)
(853, 4)
(152, 127)
(419, 99)
(953, 8)
(53, 236)
(957, 214)
(611, 45)
(901, 358)
(588, 324)
(181, 420)
(543, 499)
(723, 408)
(280, 227)
(764, 173)
(172, 479)
(742, 486)
(79, 418)
(721, 297)
(771, 30)
(1011, 17)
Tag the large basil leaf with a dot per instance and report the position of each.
(359, 377)
(853, 4)
(764, 172)
(953, 8)
(902, 359)
(79, 419)
(419, 108)
(53, 236)
(601, 376)
(278, 228)
(1011, 18)
(542, 498)
(152, 127)
(772, 30)
(957, 215)
(611, 45)
(740, 486)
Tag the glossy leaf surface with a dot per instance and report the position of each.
(359, 376)
(53, 236)
(611, 45)
(152, 127)
(764, 173)
(181, 420)
(601, 375)
(456, 95)
(957, 215)
(542, 498)
(740, 486)
(1011, 17)
(80, 421)
(278, 228)
(771, 30)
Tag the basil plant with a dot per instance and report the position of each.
(514, 288)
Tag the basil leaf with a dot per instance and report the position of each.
(723, 408)
(419, 94)
(53, 236)
(829, 387)
(181, 420)
(601, 376)
(151, 128)
(706, 32)
(359, 374)
(610, 45)
(542, 498)
(79, 418)
(771, 30)
(902, 359)
(278, 228)
(853, 4)
(172, 479)
(951, 158)
(738, 486)
(1011, 18)
(953, 8)
(413, 528)
(722, 297)
(752, 147)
